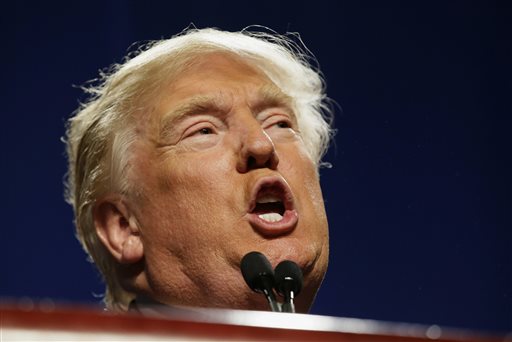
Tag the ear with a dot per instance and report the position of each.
(118, 230)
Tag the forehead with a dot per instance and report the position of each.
(228, 63)
(217, 69)
(222, 79)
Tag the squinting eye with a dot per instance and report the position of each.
(205, 130)
(283, 124)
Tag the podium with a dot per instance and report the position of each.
(67, 323)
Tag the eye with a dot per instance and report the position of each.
(204, 131)
(201, 130)
(283, 124)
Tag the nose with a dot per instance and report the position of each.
(257, 149)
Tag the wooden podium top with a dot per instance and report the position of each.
(193, 324)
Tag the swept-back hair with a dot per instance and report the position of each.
(100, 133)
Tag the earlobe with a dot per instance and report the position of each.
(132, 250)
(118, 230)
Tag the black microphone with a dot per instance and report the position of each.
(258, 274)
(288, 278)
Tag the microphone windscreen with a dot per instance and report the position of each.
(288, 274)
(256, 266)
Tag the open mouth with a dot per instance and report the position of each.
(269, 206)
(271, 209)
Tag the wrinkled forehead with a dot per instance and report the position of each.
(203, 68)
(218, 80)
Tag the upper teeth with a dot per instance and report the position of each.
(268, 199)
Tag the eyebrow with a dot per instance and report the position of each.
(271, 96)
(268, 96)
(196, 105)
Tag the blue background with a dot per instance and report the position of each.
(419, 198)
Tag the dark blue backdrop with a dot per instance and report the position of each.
(420, 195)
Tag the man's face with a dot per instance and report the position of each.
(223, 171)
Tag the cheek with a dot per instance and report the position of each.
(301, 170)
(298, 165)
(195, 168)
(188, 189)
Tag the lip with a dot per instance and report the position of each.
(290, 217)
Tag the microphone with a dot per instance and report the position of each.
(258, 274)
(288, 278)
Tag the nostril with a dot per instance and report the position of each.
(266, 162)
(251, 163)
(256, 153)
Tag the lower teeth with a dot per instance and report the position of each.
(271, 217)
